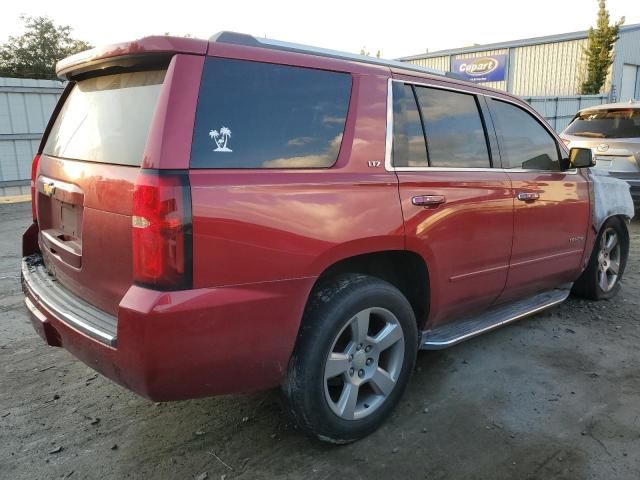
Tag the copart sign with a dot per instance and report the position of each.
(481, 69)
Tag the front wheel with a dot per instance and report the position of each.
(601, 279)
(355, 352)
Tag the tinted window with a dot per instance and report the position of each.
(409, 149)
(106, 119)
(455, 135)
(618, 123)
(261, 115)
(525, 142)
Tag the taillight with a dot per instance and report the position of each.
(161, 222)
(34, 176)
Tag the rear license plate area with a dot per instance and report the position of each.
(71, 220)
(603, 162)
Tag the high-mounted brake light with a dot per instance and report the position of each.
(34, 177)
(161, 230)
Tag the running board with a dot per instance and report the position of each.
(455, 332)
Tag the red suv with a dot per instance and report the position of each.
(237, 214)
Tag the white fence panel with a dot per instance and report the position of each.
(25, 107)
(559, 111)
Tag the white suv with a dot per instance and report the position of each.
(612, 131)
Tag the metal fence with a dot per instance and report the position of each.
(25, 108)
(559, 111)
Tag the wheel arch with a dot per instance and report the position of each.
(624, 221)
(623, 217)
(595, 229)
(404, 269)
(586, 285)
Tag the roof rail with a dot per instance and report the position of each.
(251, 41)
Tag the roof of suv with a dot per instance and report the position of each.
(631, 104)
(167, 44)
(155, 46)
(250, 41)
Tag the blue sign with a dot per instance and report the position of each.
(480, 69)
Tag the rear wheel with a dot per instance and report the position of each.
(601, 278)
(355, 352)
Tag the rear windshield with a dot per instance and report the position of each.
(106, 119)
(263, 115)
(616, 123)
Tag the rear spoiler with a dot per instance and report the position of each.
(148, 50)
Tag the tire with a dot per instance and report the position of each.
(601, 279)
(336, 356)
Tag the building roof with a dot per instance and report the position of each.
(562, 37)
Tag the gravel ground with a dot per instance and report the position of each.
(556, 395)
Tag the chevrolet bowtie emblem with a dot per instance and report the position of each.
(49, 189)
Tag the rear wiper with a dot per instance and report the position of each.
(589, 134)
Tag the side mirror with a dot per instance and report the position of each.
(581, 158)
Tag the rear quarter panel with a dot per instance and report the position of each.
(262, 225)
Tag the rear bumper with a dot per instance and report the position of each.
(63, 304)
(184, 344)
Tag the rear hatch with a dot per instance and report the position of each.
(614, 136)
(85, 182)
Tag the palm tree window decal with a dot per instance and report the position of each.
(221, 138)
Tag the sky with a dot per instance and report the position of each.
(396, 28)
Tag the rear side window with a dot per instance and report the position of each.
(409, 149)
(106, 119)
(525, 143)
(614, 123)
(262, 115)
(454, 129)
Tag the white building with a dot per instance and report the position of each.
(552, 66)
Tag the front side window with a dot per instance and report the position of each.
(454, 130)
(525, 143)
(409, 149)
(262, 115)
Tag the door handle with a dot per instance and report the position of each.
(528, 196)
(428, 200)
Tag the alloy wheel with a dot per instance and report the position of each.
(364, 363)
(608, 260)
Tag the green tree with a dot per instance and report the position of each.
(364, 51)
(34, 53)
(599, 51)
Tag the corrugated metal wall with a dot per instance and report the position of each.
(535, 70)
(627, 50)
(25, 108)
(548, 69)
(551, 69)
(439, 63)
